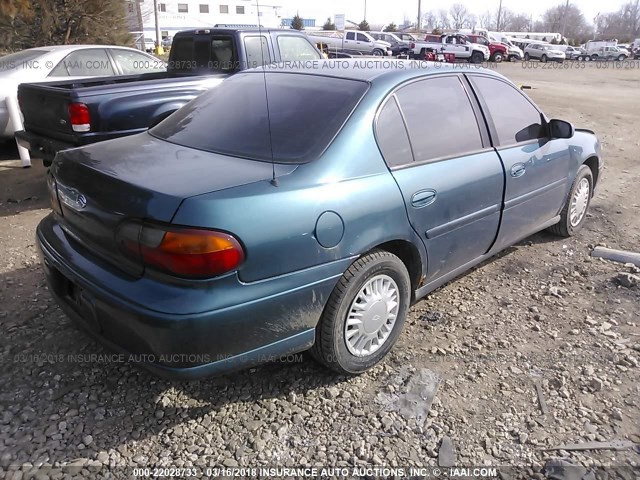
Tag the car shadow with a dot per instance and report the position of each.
(22, 189)
(60, 384)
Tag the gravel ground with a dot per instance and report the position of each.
(536, 349)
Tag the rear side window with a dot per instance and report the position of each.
(305, 113)
(19, 59)
(439, 118)
(132, 62)
(257, 51)
(87, 62)
(392, 136)
(514, 117)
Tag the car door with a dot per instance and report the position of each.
(537, 168)
(450, 178)
(350, 41)
(363, 43)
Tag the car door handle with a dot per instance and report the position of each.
(423, 198)
(518, 170)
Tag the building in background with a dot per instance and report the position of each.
(176, 15)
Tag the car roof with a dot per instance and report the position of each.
(70, 48)
(229, 29)
(373, 70)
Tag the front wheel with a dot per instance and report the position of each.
(575, 210)
(543, 59)
(364, 314)
(497, 57)
(477, 57)
(377, 52)
(621, 58)
(526, 57)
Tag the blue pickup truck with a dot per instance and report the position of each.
(67, 114)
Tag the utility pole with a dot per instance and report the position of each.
(365, 10)
(499, 13)
(159, 49)
(564, 19)
(419, 15)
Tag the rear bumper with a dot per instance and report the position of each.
(233, 325)
(41, 147)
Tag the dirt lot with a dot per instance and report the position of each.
(543, 313)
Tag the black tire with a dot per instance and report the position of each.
(564, 228)
(47, 163)
(621, 58)
(330, 347)
(477, 57)
(543, 59)
(378, 53)
(594, 57)
(527, 57)
(497, 57)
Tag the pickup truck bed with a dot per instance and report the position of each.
(66, 114)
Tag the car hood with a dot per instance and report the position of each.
(145, 176)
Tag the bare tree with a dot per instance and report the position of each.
(444, 21)
(459, 15)
(518, 22)
(430, 20)
(485, 20)
(568, 18)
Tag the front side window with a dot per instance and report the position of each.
(440, 119)
(362, 38)
(514, 117)
(296, 48)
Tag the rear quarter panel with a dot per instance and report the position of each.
(277, 224)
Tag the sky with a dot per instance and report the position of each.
(386, 11)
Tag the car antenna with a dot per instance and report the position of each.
(274, 180)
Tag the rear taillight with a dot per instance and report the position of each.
(412, 45)
(181, 251)
(79, 117)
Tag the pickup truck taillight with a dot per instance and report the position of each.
(181, 251)
(79, 117)
(412, 45)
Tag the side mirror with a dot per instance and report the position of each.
(560, 129)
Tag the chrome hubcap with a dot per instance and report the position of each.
(372, 316)
(579, 202)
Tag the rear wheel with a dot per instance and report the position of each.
(527, 57)
(594, 58)
(543, 59)
(364, 315)
(575, 210)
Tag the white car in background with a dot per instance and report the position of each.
(44, 64)
(544, 52)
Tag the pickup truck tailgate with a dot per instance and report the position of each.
(45, 109)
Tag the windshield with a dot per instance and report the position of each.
(305, 113)
(16, 60)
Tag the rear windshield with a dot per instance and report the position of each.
(305, 113)
(203, 53)
(18, 59)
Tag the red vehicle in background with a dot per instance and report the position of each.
(497, 50)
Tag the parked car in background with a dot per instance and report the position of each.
(497, 51)
(603, 53)
(544, 52)
(80, 113)
(457, 44)
(46, 64)
(570, 52)
(237, 241)
(398, 46)
(351, 41)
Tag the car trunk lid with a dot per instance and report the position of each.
(139, 178)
